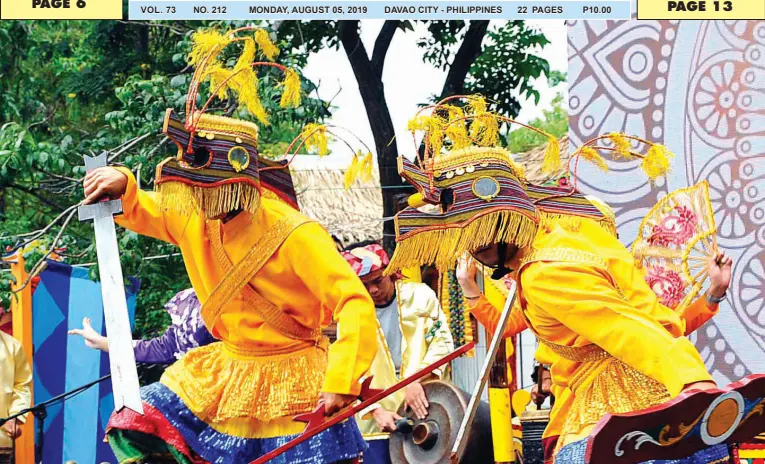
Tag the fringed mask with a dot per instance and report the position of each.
(217, 169)
(478, 197)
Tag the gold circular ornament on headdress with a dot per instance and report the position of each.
(486, 188)
(238, 158)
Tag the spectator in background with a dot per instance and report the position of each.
(412, 333)
(15, 394)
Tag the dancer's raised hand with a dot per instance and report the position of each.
(719, 269)
(92, 338)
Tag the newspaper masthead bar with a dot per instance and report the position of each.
(378, 9)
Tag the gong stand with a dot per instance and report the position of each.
(462, 436)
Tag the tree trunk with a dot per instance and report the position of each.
(468, 52)
(370, 84)
(142, 44)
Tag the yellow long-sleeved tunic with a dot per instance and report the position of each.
(259, 376)
(695, 315)
(15, 380)
(580, 296)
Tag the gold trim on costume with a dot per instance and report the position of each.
(237, 278)
(474, 155)
(225, 125)
(563, 254)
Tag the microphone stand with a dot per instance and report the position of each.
(40, 412)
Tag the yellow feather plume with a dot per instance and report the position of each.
(436, 133)
(622, 144)
(551, 163)
(245, 84)
(418, 123)
(217, 75)
(485, 129)
(657, 161)
(269, 50)
(315, 136)
(591, 155)
(361, 168)
(350, 173)
(476, 104)
(457, 128)
(367, 165)
(204, 42)
(248, 54)
(291, 91)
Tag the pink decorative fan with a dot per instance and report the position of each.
(675, 242)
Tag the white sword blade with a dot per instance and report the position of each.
(125, 384)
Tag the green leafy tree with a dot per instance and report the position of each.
(554, 121)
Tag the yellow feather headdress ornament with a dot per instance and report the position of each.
(315, 138)
(241, 80)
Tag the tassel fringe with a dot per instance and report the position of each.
(211, 201)
(441, 247)
(552, 163)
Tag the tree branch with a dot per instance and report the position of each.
(36, 195)
(468, 52)
(382, 44)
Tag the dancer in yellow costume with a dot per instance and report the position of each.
(618, 349)
(268, 278)
(695, 315)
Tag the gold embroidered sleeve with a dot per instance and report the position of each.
(583, 299)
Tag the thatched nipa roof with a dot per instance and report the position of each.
(532, 161)
(350, 215)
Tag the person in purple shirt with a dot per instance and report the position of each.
(187, 331)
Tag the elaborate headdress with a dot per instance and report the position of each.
(217, 169)
(471, 193)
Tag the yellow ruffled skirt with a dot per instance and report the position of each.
(247, 393)
(603, 385)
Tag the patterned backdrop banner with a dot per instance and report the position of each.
(699, 88)
(74, 431)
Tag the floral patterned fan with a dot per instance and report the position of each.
(675, 242)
